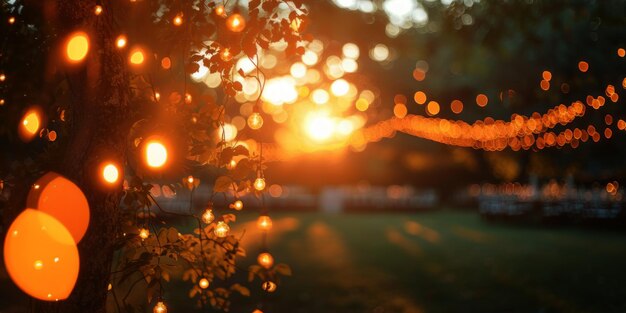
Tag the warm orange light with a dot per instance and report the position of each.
(220, 11)
(236, 23)
(203, 283)
(12, 20)
(259, 183)
(583, 66)
(269, 286)
(120, 42)
(237, 205)
(144, 233)
(97, 10)
(456, 106)
(432, 108)
(160, 308)
(481, 100)
(264, 223)
(77, 47)
(221, 229)
(2, 77)
(136, 57)
(178, 19)
(56, 195)
(40, 256)
(255, 120)
(155, 153)
(166, 63)
(265, 259)
(226, 55)
(207, 216)
(621, 52)
(30, 124)
(400, 110)
(419, 97)
(110, 173)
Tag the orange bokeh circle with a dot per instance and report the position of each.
(61, 198)
(41, 256)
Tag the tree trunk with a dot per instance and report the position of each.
(98, 126)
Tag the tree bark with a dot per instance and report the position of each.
(98, 126)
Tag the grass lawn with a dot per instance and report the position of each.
(445, 261)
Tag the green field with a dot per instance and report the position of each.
(440, 262)
(446, 261)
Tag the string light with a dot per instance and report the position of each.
(208, 216)
(97, 10)
(155, 153)
(226, 55)
(237, 205)
(264, 222)
(77, 47)
(203, 283)
(269, 286)
(2, 77)
(255, 120)
(144, 233)
(136, 57)
(178, 19)
(160, 308)
(220, 11)
(30, 124)
(265, 259)
(259, 184)
(221, 229)
(120, 42)
(11, 20)
(236, 23)
(232, 164)
(110, 173)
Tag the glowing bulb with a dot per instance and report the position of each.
(144, 233)
(236, 23)
(265, 259)
(156, 154)
(264, 223)
(188, 98)
(11, 20)
(255, 120)
(77, 47)
(207, 216)
(136, 57)
(31, 122)
(110, 173)
(220, 11)
(160, 308)
(203, 283)
(259, 184)
(237, 205)
(232, 164)
(38, 265)
(190, 179)
(221, 229)
(269, 286)
(178, 19)
(226, 55)
(340, 87)
(2, 77)
(97, 10)
(120, 42)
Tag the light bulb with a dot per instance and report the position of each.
(203, 283)
(2, 77)
(160, 308)
(144, 233)
(77, 47)
(11, 20)
(225, 55)
(221, 230)
(237, 205)
(178, 19)
(255, 120)
(269, 286)
(97, 10)
(264, 223)
(236, 23)
(232, 164)
(265, 259)
(120, 42)
(190, 179)
(220, 11)
(110, 173)
(155, 153)
(207, 216)
(259, 183)
(136, 57)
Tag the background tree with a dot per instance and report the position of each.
(105, 107)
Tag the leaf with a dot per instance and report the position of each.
(229, 218)
(241, 289)
(283, 269)
(222, 184)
